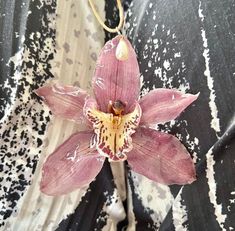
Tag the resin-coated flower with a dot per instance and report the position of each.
(120, 127)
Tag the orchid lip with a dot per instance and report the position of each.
(113, 130)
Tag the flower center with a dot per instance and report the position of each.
(116, 108)
(113, 130)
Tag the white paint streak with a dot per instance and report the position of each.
(215, 123)
(155, 197)
(179, 213)
(146, 90)
(232, 201)
(177, 55)
(166, 64)
(115, 210)
(210, 175)
(184, 87)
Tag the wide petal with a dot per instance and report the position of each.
(162, 105)
(114, 79)
(64, 101)
(161, 157)
(72, 165)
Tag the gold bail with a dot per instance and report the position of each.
(122, 51)
(121, 17)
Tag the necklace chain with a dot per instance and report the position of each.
(121, 17)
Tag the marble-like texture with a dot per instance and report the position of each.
(188, 45)
(23, 122)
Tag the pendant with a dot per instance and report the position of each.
(122, 50)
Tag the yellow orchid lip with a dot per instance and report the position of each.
(113, 130)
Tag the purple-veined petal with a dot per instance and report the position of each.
(114, 79)
(162, 105)
(113, 133)
(72, 165)
(161, 157)
(64, 101)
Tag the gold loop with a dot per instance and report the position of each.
(121, 17)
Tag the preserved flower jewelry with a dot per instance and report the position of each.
(117, 127)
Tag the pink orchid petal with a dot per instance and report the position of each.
(64, 101)
(72, 165)
(161, 157)
(162, 105)
(114, 79)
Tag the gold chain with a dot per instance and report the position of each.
(121, 17)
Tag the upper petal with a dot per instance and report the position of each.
(114, 79)
(72, 165)
(65, 101)
(162, 105)
(161, 157)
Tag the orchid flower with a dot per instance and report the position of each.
(117, 127)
